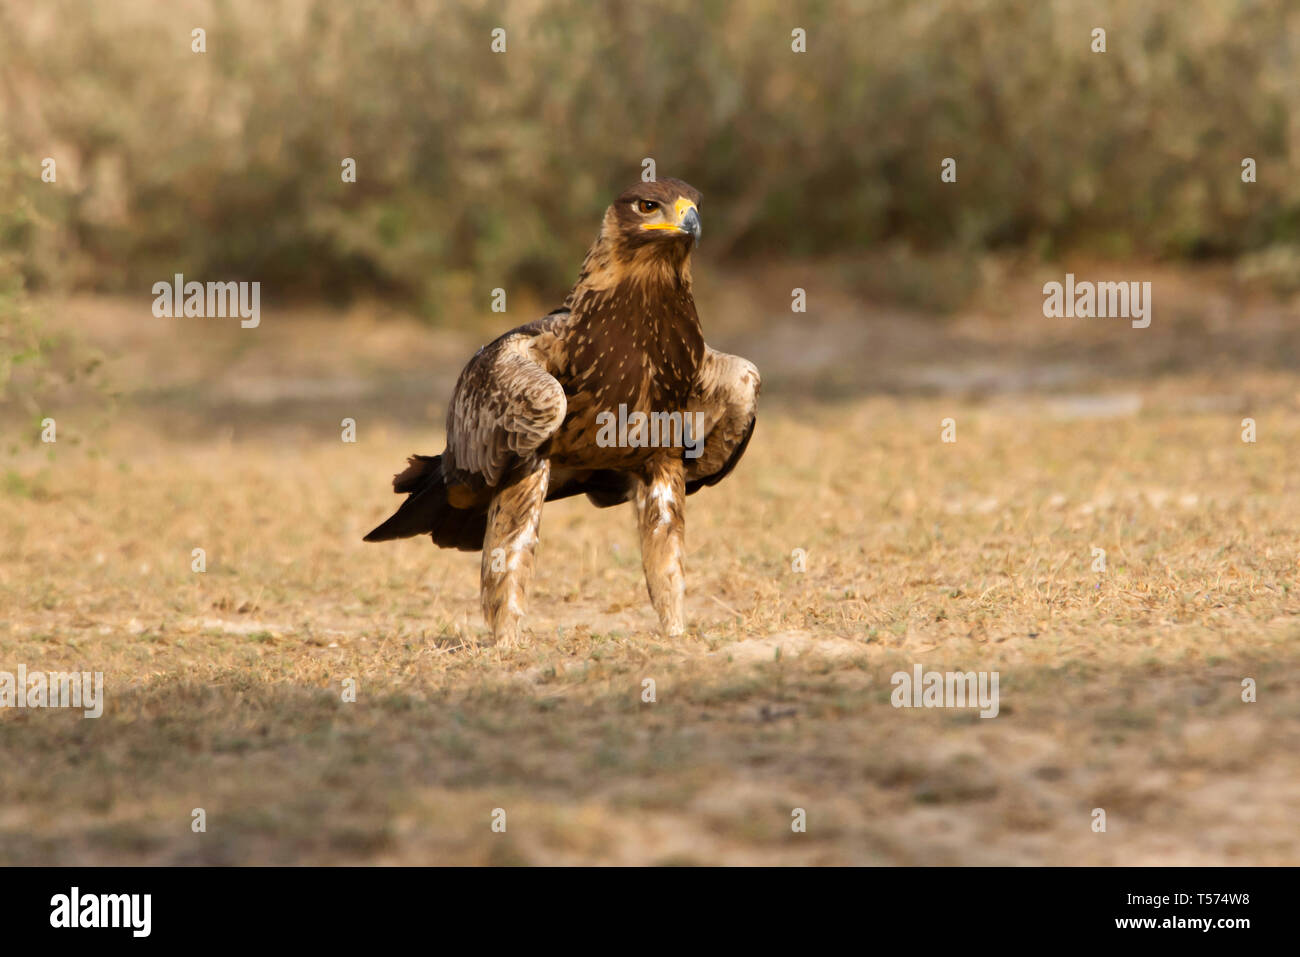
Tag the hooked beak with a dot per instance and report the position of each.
(690, 223)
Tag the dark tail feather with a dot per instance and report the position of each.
(426, 510)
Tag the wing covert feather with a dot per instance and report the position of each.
(726, 392)
(504, 408)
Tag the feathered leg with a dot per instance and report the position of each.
(660, 504)
(513, 520)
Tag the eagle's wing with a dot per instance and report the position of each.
(505, 407)
(726, 394)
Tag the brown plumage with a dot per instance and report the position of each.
(531, 415)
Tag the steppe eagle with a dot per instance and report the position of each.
(543, 412)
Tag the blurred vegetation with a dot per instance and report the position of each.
(35, 362)
(478, 169)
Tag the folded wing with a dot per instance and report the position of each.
(726, 396)
(505, 407)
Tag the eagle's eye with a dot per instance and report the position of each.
(646, 206)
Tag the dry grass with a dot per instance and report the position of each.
(1118, 690)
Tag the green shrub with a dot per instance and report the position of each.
(478, 169)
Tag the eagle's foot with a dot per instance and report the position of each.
(508, 635)
(672, 629)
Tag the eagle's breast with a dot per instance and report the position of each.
(635, 347)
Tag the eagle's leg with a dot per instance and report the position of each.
(660, 504)
(513, 520)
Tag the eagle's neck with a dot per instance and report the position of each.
(634, 328)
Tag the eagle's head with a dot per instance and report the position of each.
(645, 241)
(659, 220)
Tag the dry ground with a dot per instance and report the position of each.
(1119, 690)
